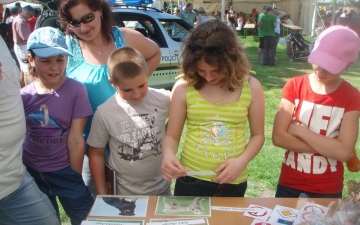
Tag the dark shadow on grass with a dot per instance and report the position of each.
(276, 76)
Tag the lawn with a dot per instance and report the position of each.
(264, 170)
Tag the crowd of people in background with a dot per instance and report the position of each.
(18, 24)
(235, 19)
(347, 18)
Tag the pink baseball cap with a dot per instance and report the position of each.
(335, 48)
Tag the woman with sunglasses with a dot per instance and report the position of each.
(214, 98)
(91, 39)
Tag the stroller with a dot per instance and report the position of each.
(297, 47)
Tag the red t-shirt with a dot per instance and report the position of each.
(322, 114)
(32, 22)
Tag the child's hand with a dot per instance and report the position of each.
(171, 167)
(229, 171)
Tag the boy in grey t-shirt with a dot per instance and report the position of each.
(132, 123)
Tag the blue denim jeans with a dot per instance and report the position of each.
(190, 186)
(286, 192)
(69, 187)
(27, 205)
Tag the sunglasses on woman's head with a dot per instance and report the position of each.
(85, 20)
(211, 49)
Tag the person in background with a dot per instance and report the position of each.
(196, 11)
(32, 20)
(215, 82)
(188, 15)
(211, 16)
(268, 23)
(317, 122)
(287, 20)
(21, 201)
(56, 110)
(91, 38)
(337, 17)
(13, 13)
(231, 18)
(132, 123)
(261, 37)
(225, 15)
(353, 20)
(175, 26)
(344, 18)
(7, 14)
(201, 17)
(279, 15)
(255, 16)
(21, 31)
(240, 21)
(18, 5)
(9, 39)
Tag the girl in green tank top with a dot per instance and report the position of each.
(214, 98)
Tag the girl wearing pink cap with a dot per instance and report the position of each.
(317, 122)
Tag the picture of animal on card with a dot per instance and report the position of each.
(189, 206)
(113, 205)
(125, 207)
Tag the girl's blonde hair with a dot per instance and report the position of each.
(231, 62)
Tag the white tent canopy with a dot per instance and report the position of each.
(23, 4)
(12, 4)
(303, 12)
(289, 6)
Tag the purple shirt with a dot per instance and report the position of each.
(48, 120)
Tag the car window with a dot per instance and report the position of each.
(143, 24)
(176, 29)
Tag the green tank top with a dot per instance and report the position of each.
(215, 133)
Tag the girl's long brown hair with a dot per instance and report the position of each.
(232, 62)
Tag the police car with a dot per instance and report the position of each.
(166, 30)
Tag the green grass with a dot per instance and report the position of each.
(264, 170)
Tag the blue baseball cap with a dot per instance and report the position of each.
(47, 41)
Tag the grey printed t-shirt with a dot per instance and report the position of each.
(134, 133)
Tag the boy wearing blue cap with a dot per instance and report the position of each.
(56, 110)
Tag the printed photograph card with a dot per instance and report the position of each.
(120, 206)
(259, 212)
(179, 221)
(283, 215)
(112, 222)
(183, 206)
